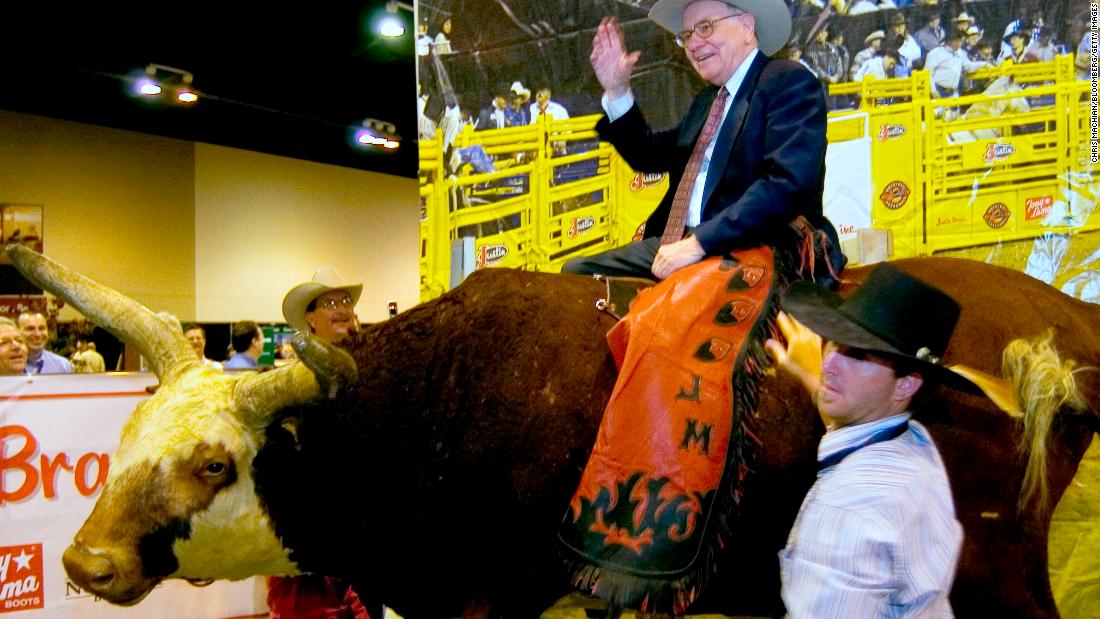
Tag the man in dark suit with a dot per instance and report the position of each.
(492, 116)
(747, 160)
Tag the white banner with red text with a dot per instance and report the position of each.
(56, 437)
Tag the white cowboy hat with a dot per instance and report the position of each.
(878, 34)
(298, 299)
(773, 19)
(518, 89)
(964, 16)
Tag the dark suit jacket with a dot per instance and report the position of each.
(768, 164)
(485, 119)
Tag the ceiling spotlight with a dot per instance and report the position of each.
(158, 77)
(391, 27)
(148, 87)
(378, 133)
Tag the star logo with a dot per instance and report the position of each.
(23, 560)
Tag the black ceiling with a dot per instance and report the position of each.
(289, 81)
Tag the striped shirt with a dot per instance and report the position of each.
(876, 535)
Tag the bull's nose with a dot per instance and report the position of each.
(93, 572)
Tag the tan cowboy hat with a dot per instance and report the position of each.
(298, 299)
(878, 34)
(773, 19)
(518, 89)
(964, 16)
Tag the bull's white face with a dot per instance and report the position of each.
(180, 499)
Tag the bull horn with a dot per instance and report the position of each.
(333, 367)
(164, 346)
(257, 396)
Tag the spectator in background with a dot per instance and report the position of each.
(794, 53)
(973, 39)
(1038, 20)
(1014, 44)
(247, 341)
(13, 350)
(196, 335)
(1041, 49)
(325, 307)
(873, 42)
(946, 64)
(836, 39)
(963, 22)
(909, 51)
(881, 67)
(824, 59)
(86, 359)
(423, 39)
(544, 106)
(931, 35)
(36, 334)
(516, 113)
(442, 43)
(493, 116)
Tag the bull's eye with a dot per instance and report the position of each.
(216, 468)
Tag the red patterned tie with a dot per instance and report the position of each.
(677, 216)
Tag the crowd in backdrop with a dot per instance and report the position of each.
(468, 75)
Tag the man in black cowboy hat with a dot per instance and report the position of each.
(744, 163)
(876, 535)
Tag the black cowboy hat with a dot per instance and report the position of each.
(892, 314)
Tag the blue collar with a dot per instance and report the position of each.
(885, 434)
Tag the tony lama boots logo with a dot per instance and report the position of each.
(21, 577)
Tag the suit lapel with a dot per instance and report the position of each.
(732, 126)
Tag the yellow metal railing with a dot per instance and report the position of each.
(980, 169)
(526, 197)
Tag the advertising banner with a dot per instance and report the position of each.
(57, 434)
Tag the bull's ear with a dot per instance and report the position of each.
(258, 396)
(161, 342)
(334, 368)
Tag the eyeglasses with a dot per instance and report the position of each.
(704, 29)
(333, 303)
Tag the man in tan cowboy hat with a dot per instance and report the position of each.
(744, 162)
(876, 535)
(324, 306)
(873, 42)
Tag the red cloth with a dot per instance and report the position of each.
(313, 597)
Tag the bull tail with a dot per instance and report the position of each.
(1044, 383)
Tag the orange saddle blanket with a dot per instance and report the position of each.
(671, 449)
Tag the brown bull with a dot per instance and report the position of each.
(437, 481)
